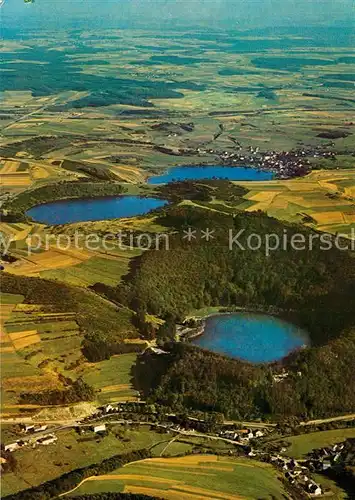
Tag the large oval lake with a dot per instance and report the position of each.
(115, 207)
(211, 172)
(257, 338)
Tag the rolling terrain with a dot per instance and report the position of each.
(83, 329)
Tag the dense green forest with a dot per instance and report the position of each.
(17, 207)
(202, 191)
(319, 382)
(313, 287)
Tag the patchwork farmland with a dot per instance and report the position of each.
(41, 348)
(34, 346)
(323, 200)
(75, 266)
(194, 477)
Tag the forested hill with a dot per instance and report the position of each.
(314, 287)
(319, 383)
(317, 287)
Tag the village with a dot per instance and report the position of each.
(248, 440)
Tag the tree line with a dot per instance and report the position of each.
(15, 209)
(68, 481)
(319, 382)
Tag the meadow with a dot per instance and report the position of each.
(305, 443)
(191, 477)
(72, 451)
(113, 378)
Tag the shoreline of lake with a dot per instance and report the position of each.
(66, 205)
(210, 172)
(289, 336)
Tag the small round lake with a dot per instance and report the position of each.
(257, 338)
(211, 172)
(93, 209)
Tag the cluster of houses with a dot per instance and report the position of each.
(285, 164)
(324, 458)
(297, 474)
(283, 375)
(45, 440)
(319, 460)
(110, 409)
(242, 436)
(29, 429)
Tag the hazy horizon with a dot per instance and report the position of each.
(234, 14)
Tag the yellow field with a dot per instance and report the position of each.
(16, 232)
(114, 388)
(326, 195)
(191, 477)
(16, 175)
(329, 218)
(5, 313)
(16, 179)
(39, 172)
(7, 349)
(24, 339)
(179, 494)
(33, 384)
(53, 258)
(9, 166)
(349, 217)
(128, 174)
(134, 477)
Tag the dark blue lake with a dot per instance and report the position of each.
(257, 338)
(67, 211)
(211, 172)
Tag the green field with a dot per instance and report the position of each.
(94, 270)
(113, 378)
(208, 476)
(9, 298)
(40, 343)
(305, 443)
(35, 466)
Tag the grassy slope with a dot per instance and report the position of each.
(113, 378)
(59, 339)
(35, 466)
(304, 443)
(215, 475)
